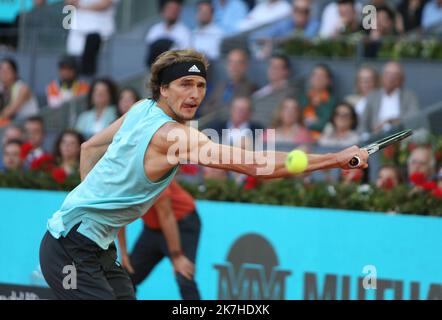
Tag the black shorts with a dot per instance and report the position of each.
(75, 267)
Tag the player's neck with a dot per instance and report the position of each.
(167, 110)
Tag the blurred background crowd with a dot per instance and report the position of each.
(69, 69)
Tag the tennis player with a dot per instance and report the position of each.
(124, 169)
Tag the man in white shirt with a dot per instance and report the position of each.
(207, 37)
(170, 27)
(266, 12)
(91, 16)
(389, 105)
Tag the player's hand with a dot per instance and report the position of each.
(183, 266)
(125, 263)
(343, 157)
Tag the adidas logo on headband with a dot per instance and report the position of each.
(194, 68)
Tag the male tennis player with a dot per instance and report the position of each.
(125, 167)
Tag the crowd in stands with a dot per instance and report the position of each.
(296, 112)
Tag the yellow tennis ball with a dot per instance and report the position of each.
(296, 161)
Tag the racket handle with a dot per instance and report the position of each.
(354, 162)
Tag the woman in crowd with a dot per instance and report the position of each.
(18, 102)
(340, 132)
(289, 123)
(367, 80)
(67, 151)
(318, 100)
(102, 101)
(127, 98)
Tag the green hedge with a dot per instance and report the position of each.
(290, 192)
(347, 47)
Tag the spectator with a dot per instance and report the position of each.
(389, 105)
(432, 15)
(385, 27)
(12, 132)
(265, 12)
(367, 81)
(240, 124)
(318, 101)
(411, 12)
(289, 124)
(67, 86)
(341, 130)
(94, 22)
(67, 151)
(207, 37)
(300, 23)
(229, 14)
(235, 85)
(102, 101)
(170, 27)
(278, 88)
(388, 177)
(339, 18)
(32, 149)
(127, 98)
(421, 165)
(18, 100)
(11, 156)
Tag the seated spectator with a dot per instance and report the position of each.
(67, 86)
(411, 13)
(340, 18)
(289, 124)
(432, 15)
(18, 100)
(318, 100)
(67, 151)
(239, 125)
(127, 98)
(341, 130)
(367, 80)
(12, 132)
(235, 85)
(229, 14)
(94, 23)
(102, 101)
(421, 165)
(265, 12)
(301, 23)
(385, 27)
(11, 156)
(278, 87)
(388, 177)
(170, 28)
(206, 38)
(390, 104)
(32, 149)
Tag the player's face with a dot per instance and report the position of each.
(184, 95)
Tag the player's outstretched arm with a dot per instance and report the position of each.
(192, 146)
(93, 149)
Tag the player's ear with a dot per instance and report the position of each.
(164, 91)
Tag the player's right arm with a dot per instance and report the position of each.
(93, 149)
(186, 144)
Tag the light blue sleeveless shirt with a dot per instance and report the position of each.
(116, 191)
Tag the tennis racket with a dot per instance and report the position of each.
(381, 144)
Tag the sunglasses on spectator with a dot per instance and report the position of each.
(343, 114)
(302, 10)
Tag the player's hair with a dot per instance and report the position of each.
(167, 59)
